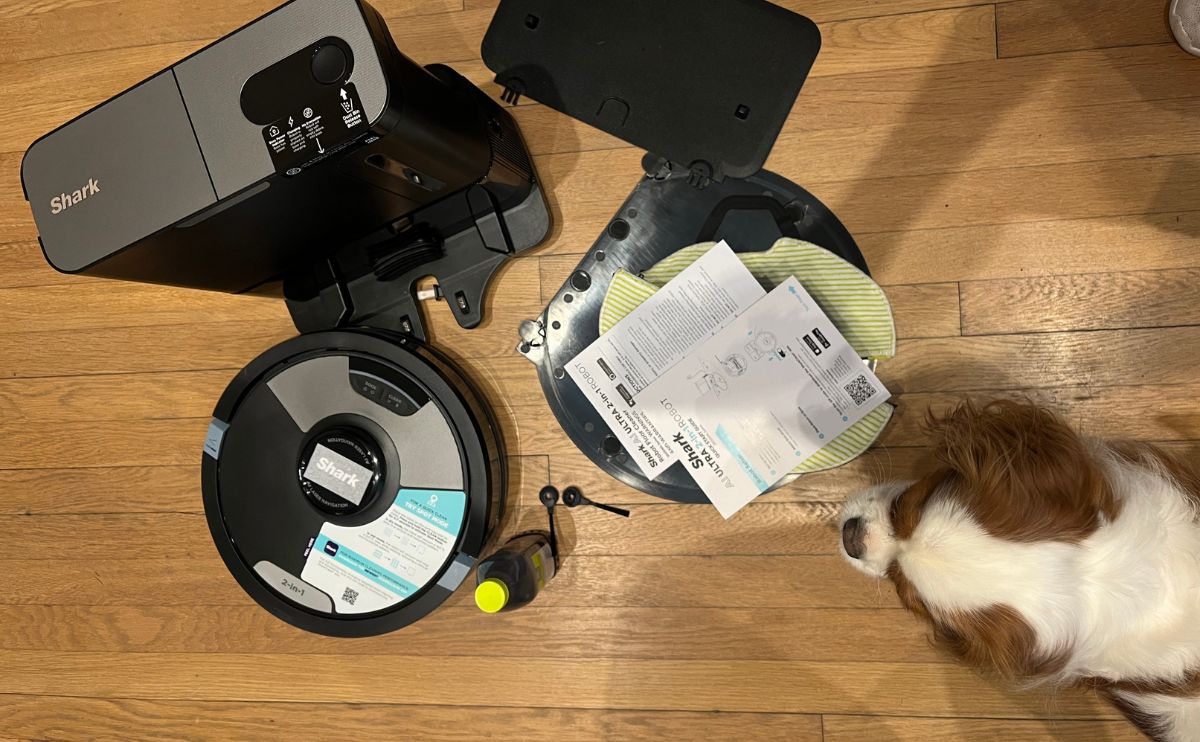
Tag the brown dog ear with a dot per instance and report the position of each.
(1022, 473)
(996, 639)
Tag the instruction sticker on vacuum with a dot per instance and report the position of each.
(373, 567)
(316, 130)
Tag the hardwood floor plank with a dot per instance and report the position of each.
(585, 582)
(1059, 192)
(111, 720)
(112, 397)
(906, 41)
(76, 305)
(207, 346)
(676, 685)
(37, 30)
(667, 530)
(1045, 248)
(1103, 358)
(212, 345)
(1027, 27)
(1096, 301)
(1146, 413)
(675, 633)
(176, 489)
(25, 265)
(850, 729)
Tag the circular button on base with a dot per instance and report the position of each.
(329, 65)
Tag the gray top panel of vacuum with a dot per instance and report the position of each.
(123, 171)
(212, 82)
(319, 388)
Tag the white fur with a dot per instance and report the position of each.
(1180, 716)
(1124, 603)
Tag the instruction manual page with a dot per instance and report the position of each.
(657, 335)
(759, 397)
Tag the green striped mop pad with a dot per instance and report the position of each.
(852, 300)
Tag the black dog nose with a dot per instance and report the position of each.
(854, 536)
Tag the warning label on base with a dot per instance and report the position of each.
(382, 564)
(317, 130)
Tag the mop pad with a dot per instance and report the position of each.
(852, 300)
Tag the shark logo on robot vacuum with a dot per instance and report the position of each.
(64, 201)
(332, 470)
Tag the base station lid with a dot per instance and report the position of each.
(706, 85)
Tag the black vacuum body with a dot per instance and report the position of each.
(303, 137)
(351, 480)
(352, 476)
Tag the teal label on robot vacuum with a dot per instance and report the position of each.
(380, 565)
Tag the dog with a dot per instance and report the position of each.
(1048, 558)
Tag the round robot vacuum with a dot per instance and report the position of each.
(351, 481)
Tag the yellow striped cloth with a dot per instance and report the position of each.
(855, 303)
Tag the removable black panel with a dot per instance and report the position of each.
(708, 83)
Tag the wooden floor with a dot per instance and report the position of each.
(1022, 177)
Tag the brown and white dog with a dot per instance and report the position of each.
(1049, 558)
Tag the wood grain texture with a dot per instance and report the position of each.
(1098, 301)
(1033, 218)
(998, 362)
(113, 720)
(677, 633)
(854, 729)
(38, 30)
(1152, 413)
(768, 529)
(1026, 27)
(585, 582)
(668, 685)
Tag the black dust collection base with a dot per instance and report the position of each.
(351, 480)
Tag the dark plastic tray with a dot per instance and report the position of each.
(724, 77)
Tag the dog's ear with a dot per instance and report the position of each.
(996, 639)
(1022, 472)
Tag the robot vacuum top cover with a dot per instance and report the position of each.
(351, 479)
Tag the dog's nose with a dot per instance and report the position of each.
(854, 536)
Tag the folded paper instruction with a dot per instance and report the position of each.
(738, 384)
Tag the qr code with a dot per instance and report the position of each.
(350, 596)
(860, 390)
